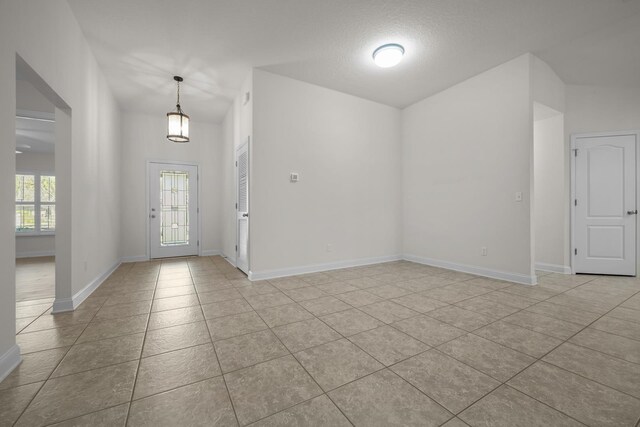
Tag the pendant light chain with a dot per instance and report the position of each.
(178, 104)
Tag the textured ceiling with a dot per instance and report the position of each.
(213, 44)
(33, 135)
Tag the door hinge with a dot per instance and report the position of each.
(236, 206)
(575, 251)
(575, 152)
(575, 202)
(198, 242)
(236, 163)
(236, 248)
(197, 210)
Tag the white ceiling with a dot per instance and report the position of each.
(141, 44)
(34, 125)
(33, 135)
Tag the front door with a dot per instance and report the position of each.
(604, 207)
(173, 210)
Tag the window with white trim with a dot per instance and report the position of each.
(35, 203)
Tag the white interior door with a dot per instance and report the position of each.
(242, 169)
(604, 208)
(173, 210)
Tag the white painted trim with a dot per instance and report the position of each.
(35, 254)
(480, 271)
(9, 361)
(70, 304)
(293, 271)
(572, 213)
(553, 268)
(138, 258)
(211, 252)
(228, 259)
(62, 305)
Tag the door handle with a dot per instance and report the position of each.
(634, 212)
(245, 215)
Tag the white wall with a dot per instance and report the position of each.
(547, 87)
(347, 152)
(466, 152)
(28, 98)
(228, 188)
(46, 35)
(27, 246)
(550, 194)
(551, 209)
(144, 139)
(237, 127)
(600, 109)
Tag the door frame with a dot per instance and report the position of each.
(572, 220)
(247, 143)
(147, 206)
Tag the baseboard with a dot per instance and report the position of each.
(229, 260)
(139, 258)
(35, 254)
(61, 305)
(480, 271)
(70, 304)
(211, 252)
(9, 361)
(553, 268)
(294, 271)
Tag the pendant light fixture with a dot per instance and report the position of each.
(178, 121)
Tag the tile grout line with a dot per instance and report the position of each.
(384, 366)
(418, 313)
(505, 382)
(224, 380)
(554, 348)
(144, 342)
(358, 308)
(501, 383)
(56, 367)
(305, 369)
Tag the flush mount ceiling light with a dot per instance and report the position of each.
(388, 55)
(178, 121)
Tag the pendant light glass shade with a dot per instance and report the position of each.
(178, 121)
(177, 127)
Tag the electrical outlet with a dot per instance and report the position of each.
(294, 177)
(483, 251)
(329, 247)
(519, 196)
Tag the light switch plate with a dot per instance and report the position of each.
(294, 177)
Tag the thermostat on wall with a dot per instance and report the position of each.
(294, 177)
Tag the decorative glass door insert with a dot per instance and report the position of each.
(173, 210)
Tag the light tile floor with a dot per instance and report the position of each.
(35, 278)
(193, 342)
